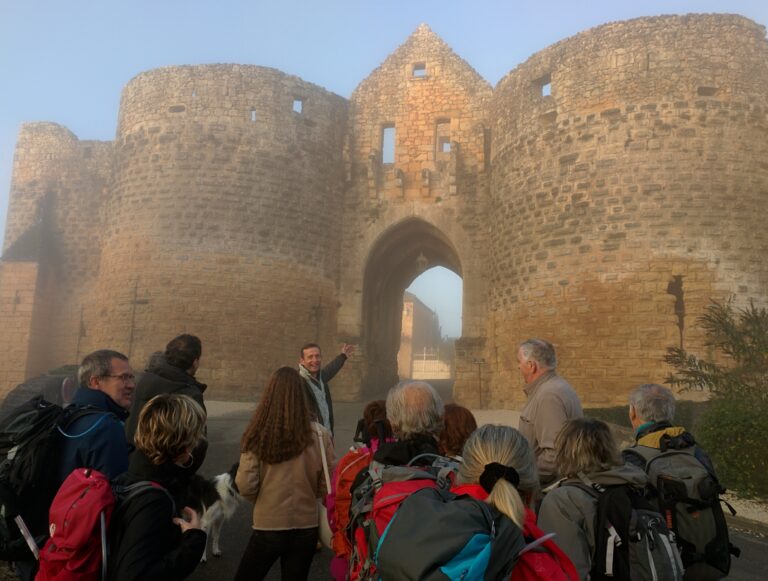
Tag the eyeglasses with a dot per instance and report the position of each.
(124, 377)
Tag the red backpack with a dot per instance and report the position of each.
(377, 498)
(79, 521)
(542, 558)
(338, 504)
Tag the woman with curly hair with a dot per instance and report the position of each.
(458, 424)
(148, 540)
(281, 472)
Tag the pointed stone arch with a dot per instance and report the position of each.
(394, 261)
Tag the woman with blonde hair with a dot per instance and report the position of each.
(281, 472)
(148, 540)
(586, 457)
(499, 467)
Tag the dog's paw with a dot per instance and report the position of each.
(217, 553)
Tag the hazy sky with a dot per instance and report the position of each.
(67, 61)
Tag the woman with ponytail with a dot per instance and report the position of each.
(499, 467)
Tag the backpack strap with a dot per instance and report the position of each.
(128, 493)
(434, 457)
(72, 416)
(536, 543)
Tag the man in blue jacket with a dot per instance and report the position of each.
(97, 440)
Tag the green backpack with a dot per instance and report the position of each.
(687, 493)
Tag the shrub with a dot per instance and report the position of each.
(733, 431)
(734, 428)
(741, 335)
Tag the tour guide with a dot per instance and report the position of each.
(316, 380)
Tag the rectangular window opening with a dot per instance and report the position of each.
(543, 85)
(388, 144)
(443, 136)
(298, 105)
(420, 70)
(253, 115)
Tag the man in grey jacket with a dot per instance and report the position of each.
(316, 378)
(551, 402)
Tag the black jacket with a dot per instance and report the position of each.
(144, 542)
(326, 374)
(401, 452)
(160, 377)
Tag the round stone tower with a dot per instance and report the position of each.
(630, 187)
(223, 218)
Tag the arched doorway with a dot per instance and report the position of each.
(400, 255)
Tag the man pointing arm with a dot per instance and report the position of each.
(316, 378)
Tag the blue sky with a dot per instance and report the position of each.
(67, 61)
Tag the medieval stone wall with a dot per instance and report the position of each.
(629, 196)
(223, 219)
(60, 184)
(598, 197)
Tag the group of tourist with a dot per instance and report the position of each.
(544, 477)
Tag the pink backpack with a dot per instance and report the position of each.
(79, 520)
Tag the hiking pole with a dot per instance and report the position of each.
(27, 536)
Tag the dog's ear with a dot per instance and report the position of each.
(233, 470)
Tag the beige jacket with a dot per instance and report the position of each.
(551, 403)
(285, 494)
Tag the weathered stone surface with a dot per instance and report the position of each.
(599, 196)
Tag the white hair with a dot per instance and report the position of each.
(414, 408)
(540, 351)
(653, 403)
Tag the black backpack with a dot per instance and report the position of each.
(632, 541)
(29, 446)
(686, 491)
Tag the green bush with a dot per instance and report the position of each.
(735, 425)
(733, 431)
(738, 334)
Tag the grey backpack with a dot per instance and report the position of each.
(687, 493)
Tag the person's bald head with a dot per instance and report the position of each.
(414, 407)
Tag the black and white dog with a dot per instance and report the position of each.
(215, 500)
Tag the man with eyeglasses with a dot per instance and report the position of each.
(97, 440)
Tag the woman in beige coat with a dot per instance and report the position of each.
(281, 472)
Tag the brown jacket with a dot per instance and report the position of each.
(551, 403)
(285, 494)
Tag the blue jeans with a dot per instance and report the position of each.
(295, 548)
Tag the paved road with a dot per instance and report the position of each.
(226, 424)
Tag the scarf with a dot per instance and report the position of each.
(318, 390)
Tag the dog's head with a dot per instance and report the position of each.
(200, 493)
